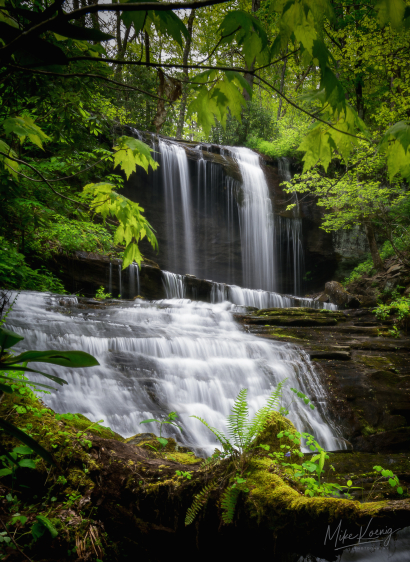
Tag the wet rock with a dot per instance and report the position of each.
(338, 295)
(368, 301)
(375, 361)
(323, 298)
(139, 438)
(397, 440)
(342, 355)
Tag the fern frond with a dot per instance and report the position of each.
(260, 419)
(198, 503)
(210, 462)
(238, 420)
(218, 434)
(273, 402)
(228, 504)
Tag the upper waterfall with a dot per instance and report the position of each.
(214, 212)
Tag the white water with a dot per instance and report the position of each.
(175, 288)
(175, 175)
(256, 222)
(170, 355)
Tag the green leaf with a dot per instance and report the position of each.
(6, 388)
(27, 463)
(27, 440)
(131, 254)
(316, 145)
(5, 472)
(134, 18)
(8, 366)
(162, 441)
(168, 23)
(74, 359)
(9, 338)
(24, 382)
(23, 450)
(391, 11)
(11, 166)
(23, 126)
(149, 421)
(400, 490)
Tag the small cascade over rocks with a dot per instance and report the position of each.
(176, 287)
(162, 356)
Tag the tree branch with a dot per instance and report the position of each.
(86, 75)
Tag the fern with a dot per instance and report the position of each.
(210, 462)
(237, 421)
(260, 419)
(228, 504)
(198, 503)
(227, 447)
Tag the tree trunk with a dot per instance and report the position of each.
(377, 261)
(185, 57)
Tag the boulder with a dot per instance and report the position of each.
(338, 295)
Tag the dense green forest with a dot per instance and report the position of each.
(323, 82)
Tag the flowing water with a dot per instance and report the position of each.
(169, 355)
(256, 222)
(175, 287)
(214, 216)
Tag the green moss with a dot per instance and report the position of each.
(275, 425)
(375, 361)
(82, 423)
(270, 497)
(183, 458)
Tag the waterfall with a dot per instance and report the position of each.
(169, 355)
(290, 235)
(119, 278)
(174, 285)
(256, 222)
(134, 280)
(176, 179)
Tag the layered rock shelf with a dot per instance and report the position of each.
(366, 371)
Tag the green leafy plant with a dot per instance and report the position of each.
(186, 474)
(13, 460)
(385, 473)
(200, 500)
(239, 444)
(170, 419)
(400, 306)
(42, 525)
(101, 294)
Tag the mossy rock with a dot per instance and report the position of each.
(387, 377)
(82, 423)
(275, 425)
(375, 362)
(149, 442)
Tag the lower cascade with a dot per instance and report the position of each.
(168, 355)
